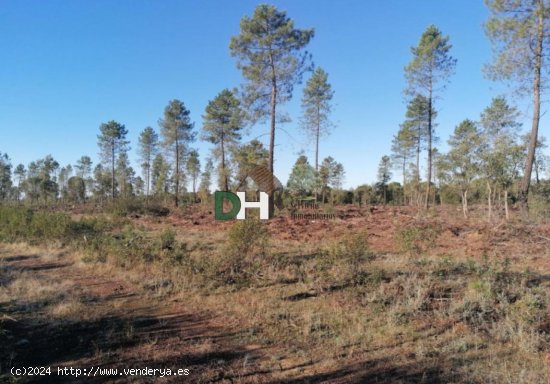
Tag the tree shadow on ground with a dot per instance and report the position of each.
(115, 341)
(384, 370)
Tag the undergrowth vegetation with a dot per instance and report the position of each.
(417, 239)
(337, 294)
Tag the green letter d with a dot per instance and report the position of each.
(219, 214)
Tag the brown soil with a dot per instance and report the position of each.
(124, 324)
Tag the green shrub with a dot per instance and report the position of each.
(171, 251)
(167, 240)
(354, 248)
(408, 240)
(243, 253)
(343, 260)
(22, 224)
(417, 239)
(136, 206)
(95, 251)
(15, 223)
(49, 226)
(247, 238)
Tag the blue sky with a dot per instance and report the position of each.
(68, 66)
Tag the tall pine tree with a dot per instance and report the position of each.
(269, 50)
(427, 74)
(176, 130)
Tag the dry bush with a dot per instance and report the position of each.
(29, 293)
(244, 253)
(71, 309)
(417, 239)
(342, 262)
(511, 307)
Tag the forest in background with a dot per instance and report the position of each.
(491, 160)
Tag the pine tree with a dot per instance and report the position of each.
(403, 145)
(84, 171)
(269, 50)
(5, 176)
(426, 74)
(112, 142)
(247, 156)
(301, 181)
(125, 175)
(518, 30)
(20, 172)
(206, 180)
(193, 166)
(148, 147)
(223, 121)
(159, 175)
(316, 108)
(177, 133)
(331, 176)
(463, 159)
(501, 153)
(384, 175)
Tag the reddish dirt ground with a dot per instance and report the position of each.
(131, 329)
(134, 329)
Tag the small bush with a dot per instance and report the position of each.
(352, 250)
(417, 240)
(171, 250)
(246, 238)
(95, 251)
(340, 263)
(478, 307)
(167, 240)
(355, 248)
(246, 244)
(408, 240)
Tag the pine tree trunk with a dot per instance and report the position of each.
(318, 133)
(489, 204)
(434, 176)
(404, 180)
(177, 172)
(417, 187)
(225, 181)
(506, 204)
(465, 204)
(272, 143)
(428, 185)
(148, 174)
(494, 198)
(525, 183)
(113, 170)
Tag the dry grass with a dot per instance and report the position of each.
(450, 308)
